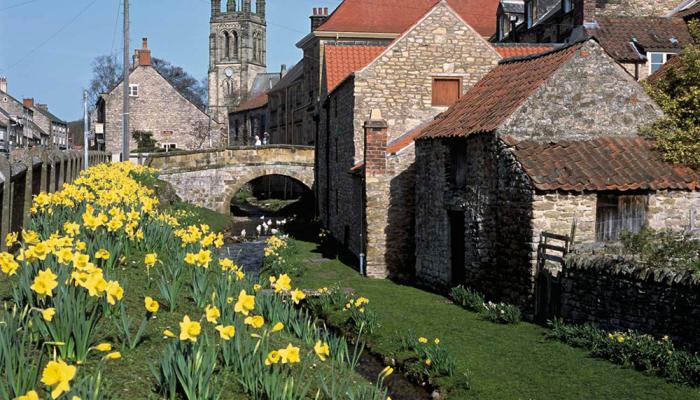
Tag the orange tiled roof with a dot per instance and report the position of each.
(256, 102)
(341, 61)
(396, 16)
(508, 50)
(498, 94)
(605, 163)
(404, 140)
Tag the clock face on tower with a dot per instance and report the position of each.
(229, 72)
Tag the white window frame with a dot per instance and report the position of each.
(665, 59)
(133, 90)
(166, 146)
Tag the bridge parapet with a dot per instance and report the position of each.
(244, 155)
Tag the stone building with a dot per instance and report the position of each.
(249, 119)
(640, 35)
(237, 54)
(56, 128)
(154, 106)
(539, 144)
(423, 71)
(286, 109)
(18, 118)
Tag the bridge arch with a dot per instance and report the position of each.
(303, 177)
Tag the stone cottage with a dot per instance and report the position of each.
(155, 106)
(540, 143)
(408, 82)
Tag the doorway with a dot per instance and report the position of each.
(457, 248)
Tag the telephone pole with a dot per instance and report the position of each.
(125, 111)
(86, 134)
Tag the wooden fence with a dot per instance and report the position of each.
(27, 172)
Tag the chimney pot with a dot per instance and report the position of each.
(29, 103)
(145, 43)
(315, 11)
(325, 11)
(3, 84)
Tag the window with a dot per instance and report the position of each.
(458, 166)
(617, 213)
(446, 91)
(656, 60)
(530, 9)
(133, 90)
(567, 5)
(503, 26)
(169, 146)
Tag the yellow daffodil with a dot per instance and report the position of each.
(225, 264)
(58, 375)
(437, 341)
(257, 287)
(297, 296)
(422, 340)
(8, 265)
(102, 254)
(48, 314)
(114, 292)
(189, 330)
(30, 237)
(245, 303)
(151, 305)
(277, 327)
(168, 333)
(30, 395)
(256, 321)
(212, 314)
(289, 355)
(386, 372)
(104, 347)
(322, 350)
(226, 332)
(10, 240)
(190, 259)
(283, 283)
(273, 357)
(113, 356)
(45, 283)
(428, 362)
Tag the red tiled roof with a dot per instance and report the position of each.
(341, 61)
(404, 140)
(396, 16)
(606, 163)
(498, 94)
(616, 35)
(256, 102)
(507, 50)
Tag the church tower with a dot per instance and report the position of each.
(237, 53)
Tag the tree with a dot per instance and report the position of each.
(107, 73)
(677, 90)
(189, 87)
(144, 140)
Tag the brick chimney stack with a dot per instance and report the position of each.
(376, 138)
(142, 56)
(319, 16)
(3, 84)
(29, 103)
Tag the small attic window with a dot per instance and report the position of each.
(133, 90)
(657, 60)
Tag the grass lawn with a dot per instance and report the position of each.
(503, 361)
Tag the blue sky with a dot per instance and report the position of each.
(47, 46)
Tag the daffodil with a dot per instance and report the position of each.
(245, 303)
(104, 347)
(283, 283)
(322, 350)
(168, 333)
(226, 332)
(30, 395)
(437, 341)
(151, 305)
(58, 375)
(273, 357)
(297, 296)
(114, 292)
(189, 330)
(277, 327)
(422, 340)
(10, 240)
(45, 283)
(151, 259)
(102, 254)
(212, 314)
(113, 356)
(256, 321)
(289, 355)
(48, 314)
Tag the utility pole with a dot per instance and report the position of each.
(125, 110)
(86, 133)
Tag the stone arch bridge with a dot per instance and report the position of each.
(210, 178)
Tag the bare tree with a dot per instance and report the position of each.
(200, 135)
(106, 74)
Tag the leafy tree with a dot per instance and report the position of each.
(107, 73)
(144, 140)
(677, 91)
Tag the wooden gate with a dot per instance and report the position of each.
(551, 251)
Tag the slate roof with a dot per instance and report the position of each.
(513, 6)
(498, 94)
(396, 16)
(255, 102)
(49, 115)
(257, 97)
(342, 61)
(690, 9)
(294, 74)
(605, 163)
(508, 50)
(617, 35)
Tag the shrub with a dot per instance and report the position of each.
(663, 249)
(632, 349)
(467, 298)
(501, 313)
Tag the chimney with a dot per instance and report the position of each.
(3, 84)
(142, 56)
(44, 107)
(29, 103)
(318, 17)
(376, 138)
(283, 71)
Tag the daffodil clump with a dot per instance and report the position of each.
(277, 255)
(429, 358)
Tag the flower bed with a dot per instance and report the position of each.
(103, 280)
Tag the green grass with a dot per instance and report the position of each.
(503, 361)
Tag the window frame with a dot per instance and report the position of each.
(132, 92)
(168, 146)
(436, 78)
(663, 54)
(614, 204)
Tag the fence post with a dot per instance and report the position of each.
(61, 171)
(28, 160)
(5, 217)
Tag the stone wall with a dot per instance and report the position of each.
(589, 96)
(619, 295)
(400, 251)
(399, 82)
(159, 108)
(673, 210)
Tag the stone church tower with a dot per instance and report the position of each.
(237, 53)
